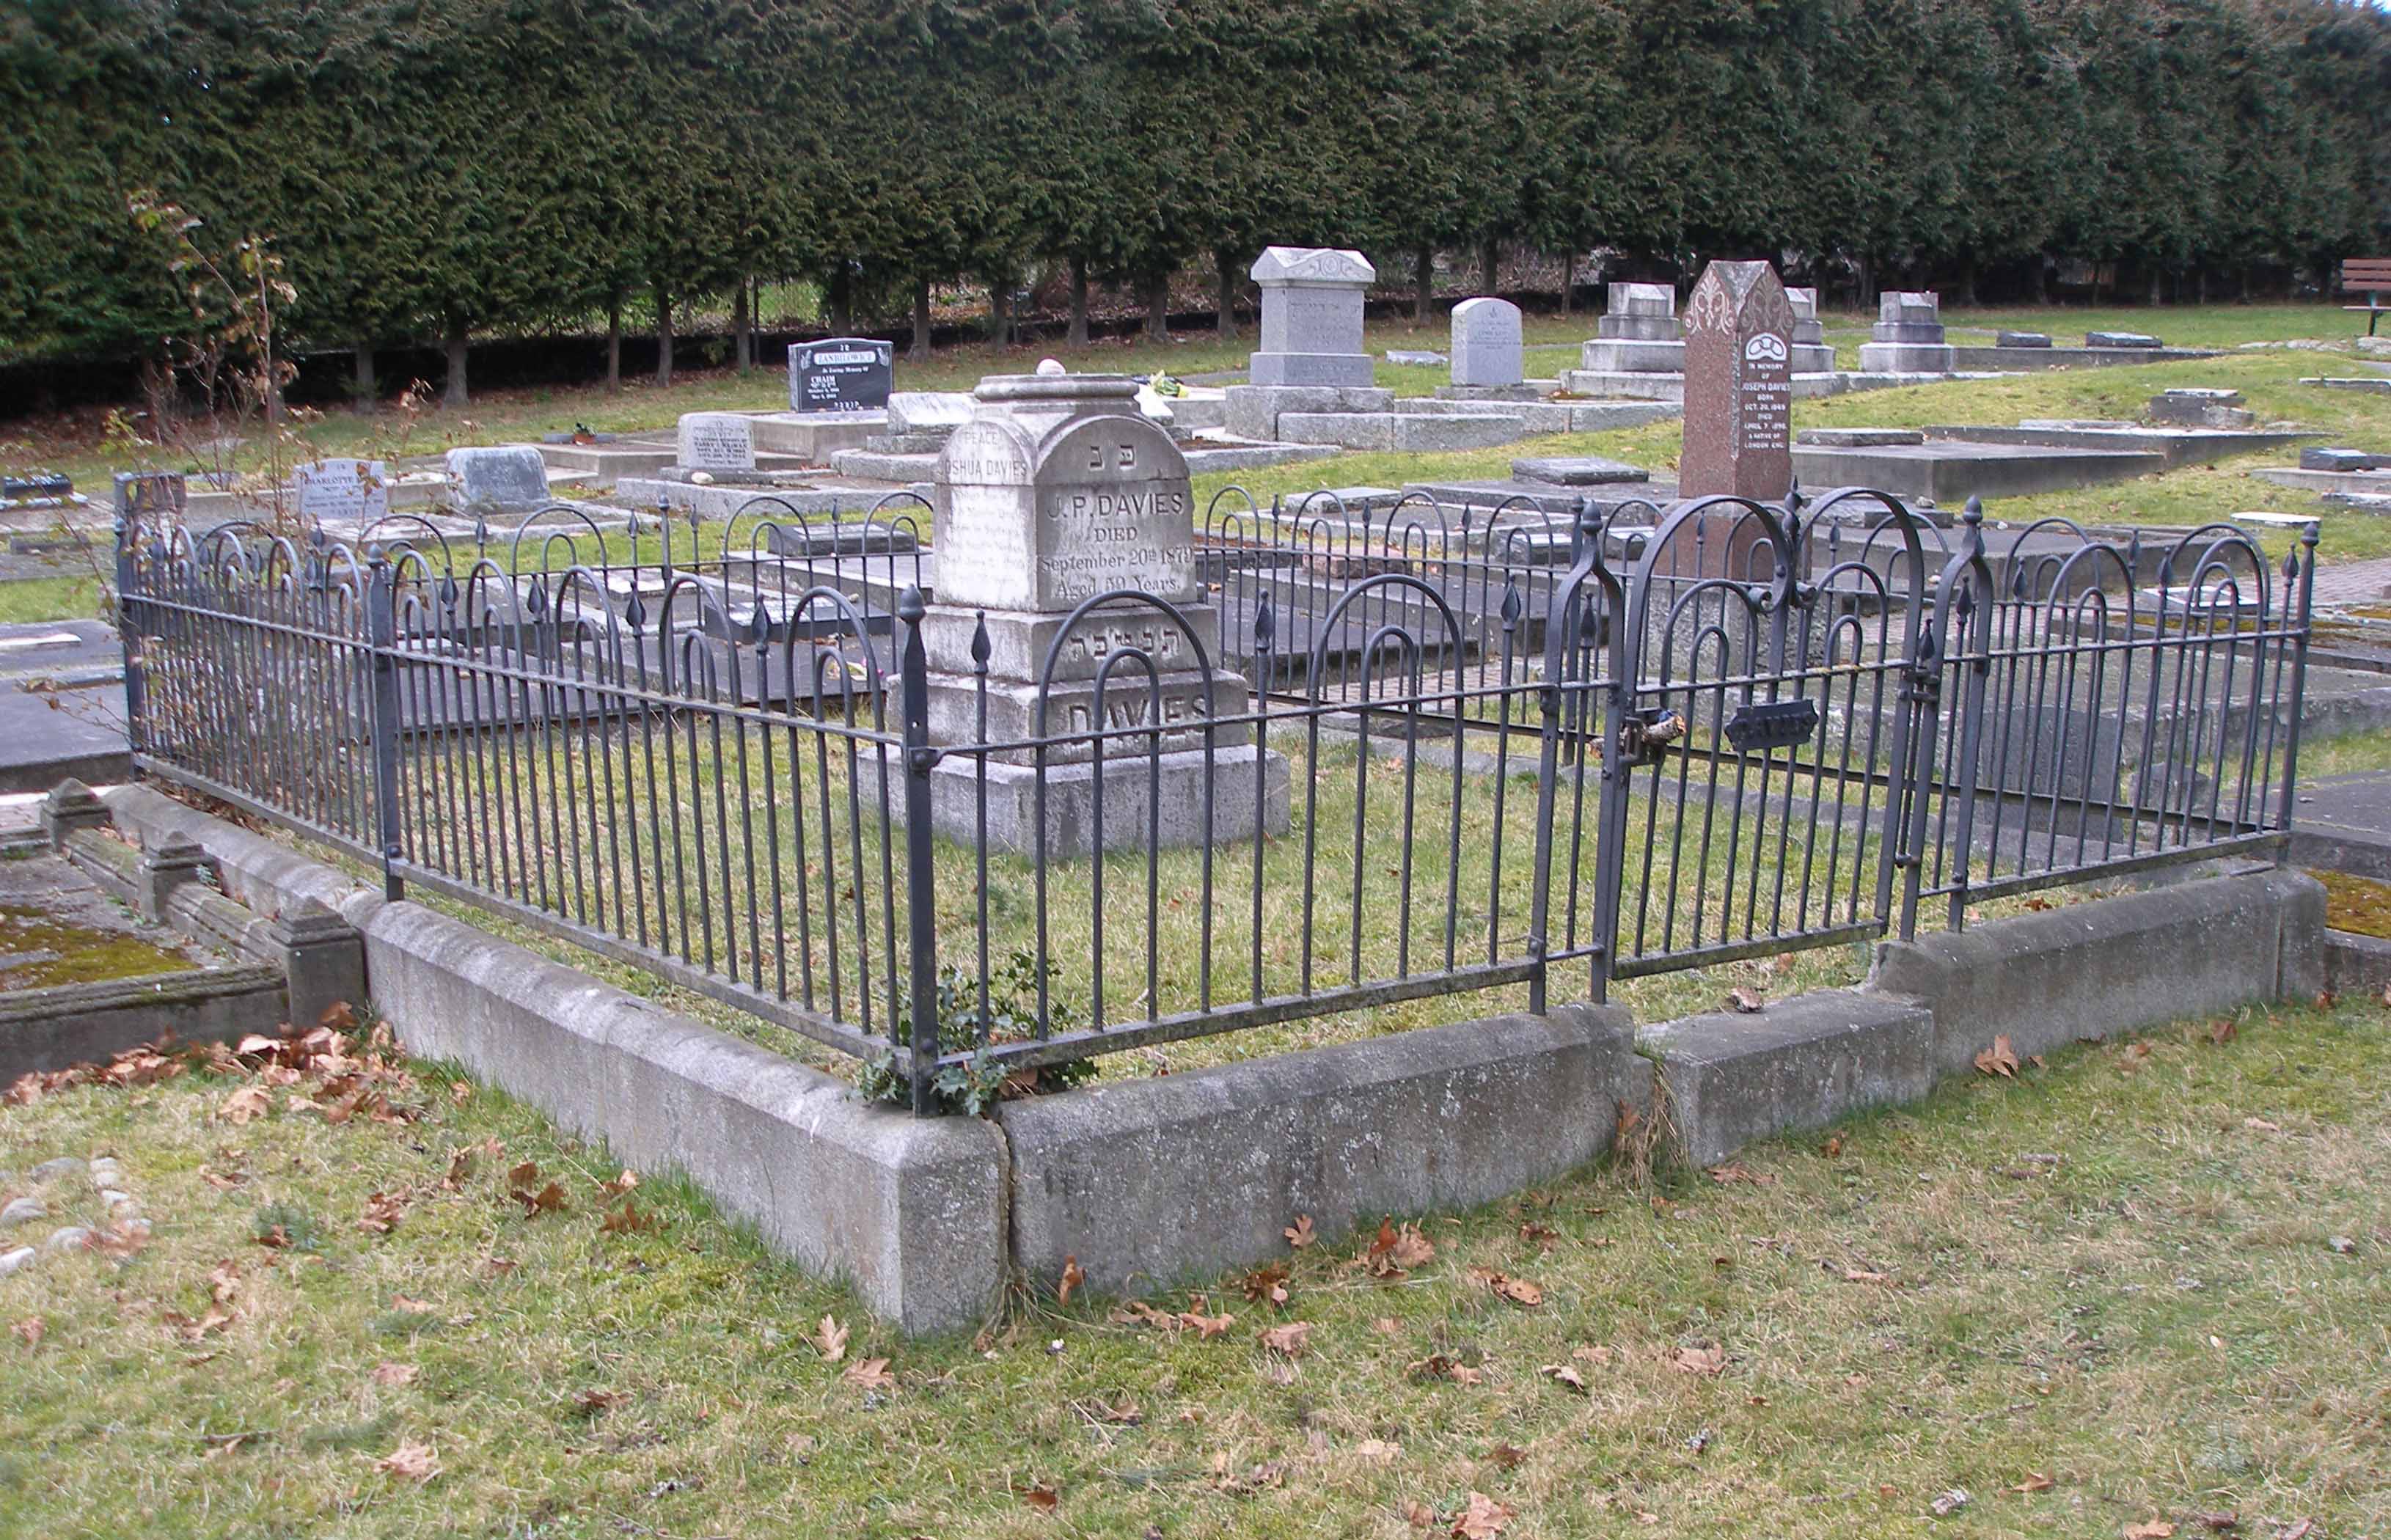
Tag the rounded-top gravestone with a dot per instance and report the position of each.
(1486, 342)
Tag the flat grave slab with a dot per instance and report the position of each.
(2178, 445)
(2342, 824)
(1951, 471)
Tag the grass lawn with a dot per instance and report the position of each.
(2107, 1293)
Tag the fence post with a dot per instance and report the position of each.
(137, 687)
(921, 908)
(2299, 665)
(381, 641)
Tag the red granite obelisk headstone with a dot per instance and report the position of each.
(1738, 433)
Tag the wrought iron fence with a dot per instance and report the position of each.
(1396, 752)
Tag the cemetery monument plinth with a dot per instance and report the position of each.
(1810, 354)
(1311, 358)
(1908, 338)
(1638, 334)
(1055, 492)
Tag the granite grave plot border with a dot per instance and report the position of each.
(1160, 1182)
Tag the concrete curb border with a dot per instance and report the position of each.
(1149, 1182)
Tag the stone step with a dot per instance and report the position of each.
(1411, 433)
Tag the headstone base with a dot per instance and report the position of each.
(1616, 356)
(1812, 358)
(1171, 784)
(1489, 392)
(1310, 369)
(1907, 358)
(1252, 411)
(816, 435)
(1069, 707)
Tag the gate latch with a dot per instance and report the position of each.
(1643, 736)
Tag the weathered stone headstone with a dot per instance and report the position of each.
(1638, 334)
(2022, 339)
(328, 490)
(1738, 433)
(1577, 469)
(1486, 342)
(2198, 407)
(509, 478)
(152, 494)
(2121, 339)
(1057, 492)
(2343, 461)
(1908, 338)
(841, 374)
(1810, 354)
(1312, 317)
(717, 441)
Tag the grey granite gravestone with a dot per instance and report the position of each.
(1810, 354)
(2022, 339)
(1638, 334)
(1739, 430)
(841, 374)
(717, 441)
(2198, 407)
(509, 478)
(2121, 339)
(1058, 492)
(1486, 343)
(1908, 338)
(1312, 317)
(346, 491)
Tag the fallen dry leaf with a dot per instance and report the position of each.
(1482, 1519)
(1702, 1358)
(1298, 1234)
(548, 1200)
(2034, 1481)
(1999, 1060)
(1863, 1276)
(1599, 1357)
(1039, 1496)
(624, 1220)
(1736, 1171)
(1833, 1147)
(410, 1461)
(1565, 1374)
(1418, 1514)
(1377, 1451)
(388, 1373)
(830, 1339)
(2221, 1031)
(250, 1101)
(382, 1211)
(591, 1403)
(2261, 1125)
(1290, 1338)
(1519, 1291)
(1745, 1001)
(1437, 1365)
(29, 1330)
(870, 1373)
(2149, 1529)
(1073, 1276)
(620, 1186)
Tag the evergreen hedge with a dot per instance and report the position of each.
(509, 164)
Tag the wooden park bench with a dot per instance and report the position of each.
(2371, 274)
